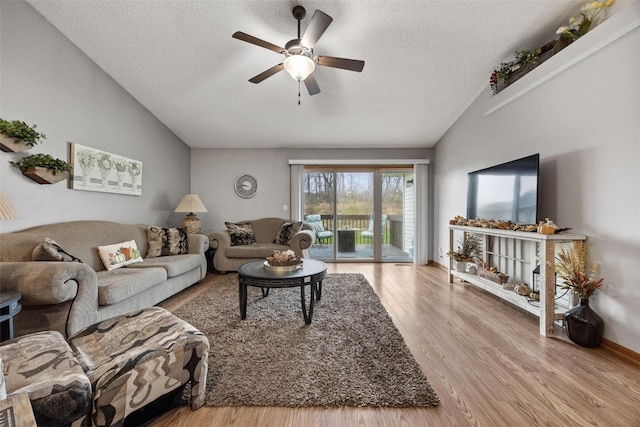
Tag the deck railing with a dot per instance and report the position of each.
(393, 231)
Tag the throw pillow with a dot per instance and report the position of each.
(287, 231)
(241, 234)
(119, 254)
(166, 241)
(49, 250)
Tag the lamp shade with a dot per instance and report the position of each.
(6, 209)
(190, 203)
(299, 66)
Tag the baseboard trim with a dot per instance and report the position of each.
(440, 266)
(622, 351)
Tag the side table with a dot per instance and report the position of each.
(9, 307)
(347, 239)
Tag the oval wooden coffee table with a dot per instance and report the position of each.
(254, 274)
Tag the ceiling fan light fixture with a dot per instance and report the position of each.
(299, 66)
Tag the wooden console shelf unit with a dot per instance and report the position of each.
(545, 249)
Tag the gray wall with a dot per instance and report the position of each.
(48, 81)
(213, 174)
(585, 123)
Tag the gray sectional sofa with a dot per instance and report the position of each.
(67, 296)
(229, 257)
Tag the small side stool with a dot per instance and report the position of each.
(135, 359)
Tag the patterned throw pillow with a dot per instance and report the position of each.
(49, 250)
(119, 254)
(287, 231)
(241, 234)
(166, 241)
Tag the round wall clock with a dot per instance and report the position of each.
(246, 186)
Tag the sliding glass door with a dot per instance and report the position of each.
(354, 209)
(397, 222)
(319, 197)
(360, 214)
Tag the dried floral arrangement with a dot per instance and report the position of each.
(469, 248)
(492, 223)
(570, 269)
(280, 258)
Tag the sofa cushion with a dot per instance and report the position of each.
(42, 365)
(286, 232)
(240, 234)
(166, 241)
(174, 265)
(244, 251)
(265, 229)
(266, 249)
(256, 250)
(117, 285)
(49, 250)
(119, 254)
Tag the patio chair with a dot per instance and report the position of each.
(315, 221)
(368, 233)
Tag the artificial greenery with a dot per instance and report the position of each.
(470, 248)
(20, 130)
(43, 160)
(522, 57)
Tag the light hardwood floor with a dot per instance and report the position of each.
(483, 357)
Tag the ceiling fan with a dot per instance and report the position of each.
(299, 61)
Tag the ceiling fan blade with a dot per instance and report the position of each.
(319, 23)
(266, 74)
(345, 64)
(258, 42)
(312, 85)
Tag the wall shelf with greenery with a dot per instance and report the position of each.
(596, 39)
(43, 168)
(16, 136)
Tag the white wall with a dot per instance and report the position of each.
(213, 174)
(48, 81)
(585, 123)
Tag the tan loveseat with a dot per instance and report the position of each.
(67, 296)
(229, 257)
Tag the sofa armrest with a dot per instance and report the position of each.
(219, 240)
(52, 283)
(198, 243)
(46, 282)
(302, 240)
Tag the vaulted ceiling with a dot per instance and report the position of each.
(425, 63)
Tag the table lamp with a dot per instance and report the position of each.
(191, 203)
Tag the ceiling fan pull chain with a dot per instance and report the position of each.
(298, 92)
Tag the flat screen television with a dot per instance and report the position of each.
(508, 191)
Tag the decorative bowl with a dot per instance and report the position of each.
(283, 268)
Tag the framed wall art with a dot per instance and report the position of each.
(97, 170)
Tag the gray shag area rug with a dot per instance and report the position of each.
(350, 355)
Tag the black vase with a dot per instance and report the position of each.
(584, 326)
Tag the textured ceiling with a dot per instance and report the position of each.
(426, 61)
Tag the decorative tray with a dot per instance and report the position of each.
(498, 278)
(282, 268)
